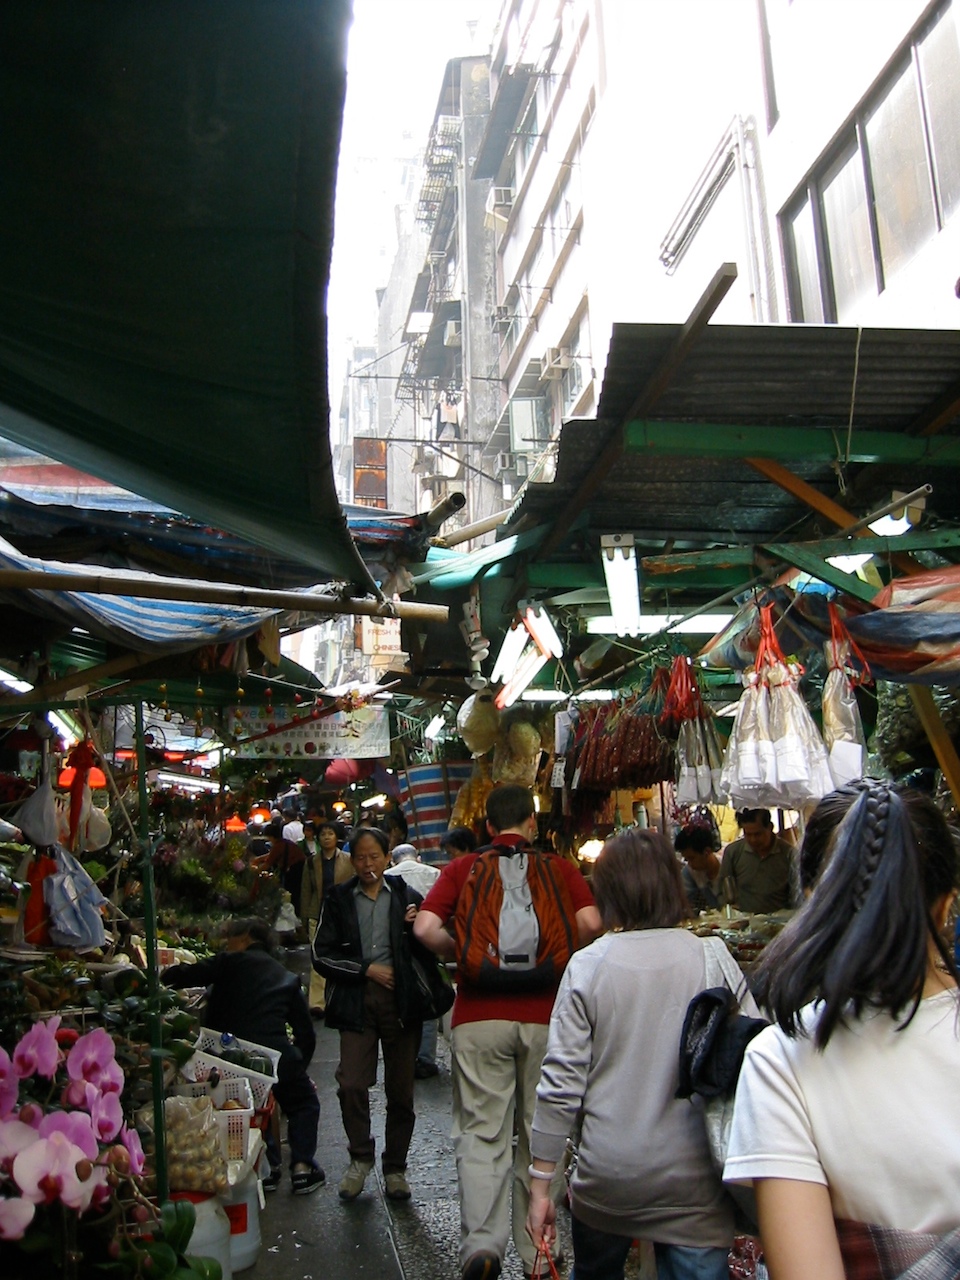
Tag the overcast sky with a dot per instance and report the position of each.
(397, 53)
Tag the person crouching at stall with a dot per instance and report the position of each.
(362, 948)
(253, 996)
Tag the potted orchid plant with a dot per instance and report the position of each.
(71, 1199)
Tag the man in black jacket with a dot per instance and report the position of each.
(253, 996)
(363, 947)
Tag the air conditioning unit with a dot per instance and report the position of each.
(502, 319)
(522, 466)
(419, 457)
(555, 362)
(502, 197)
(453, 334)
(506, 462)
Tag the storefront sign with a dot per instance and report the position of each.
(345, 735)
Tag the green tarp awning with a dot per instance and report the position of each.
(167, 170)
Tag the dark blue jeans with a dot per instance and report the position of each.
(297, 1099)
(601, 1255)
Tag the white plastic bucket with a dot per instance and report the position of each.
(242, 1207)
(211, 1235)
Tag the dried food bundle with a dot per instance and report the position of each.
(699, 753)
(843, 733)
(775, 756)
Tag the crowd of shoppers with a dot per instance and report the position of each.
(846, 1121)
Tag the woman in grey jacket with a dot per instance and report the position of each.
(644, 1167)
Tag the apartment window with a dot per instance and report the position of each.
(939, 56)
(886, 189)
(572, 384)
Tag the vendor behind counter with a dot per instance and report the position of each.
(757, 872)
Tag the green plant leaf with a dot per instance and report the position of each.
(178, 1218)
(206, 1268)
(165, 1261)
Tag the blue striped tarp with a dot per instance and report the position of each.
(427, 795)
(129, 620)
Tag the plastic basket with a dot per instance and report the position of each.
(234, 1125)
(198, 1068)
(210, 1042)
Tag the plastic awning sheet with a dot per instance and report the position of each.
(135, 623)
(166, 210)
(912, 635)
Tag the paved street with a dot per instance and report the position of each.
(317, 1237)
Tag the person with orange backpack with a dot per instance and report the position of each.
(511, 917)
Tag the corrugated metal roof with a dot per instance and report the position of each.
(778, 376)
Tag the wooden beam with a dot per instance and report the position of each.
(683, 562)
(938, 415)
(809, 444)
(664, 374)
(217, 593)
(814, 564)
(709, 558)
(85, 676)
(820, 503)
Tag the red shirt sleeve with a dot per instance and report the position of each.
(443, 897)
(580, 892)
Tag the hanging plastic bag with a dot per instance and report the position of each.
(843, 733)
(74, 902)
(37, 816)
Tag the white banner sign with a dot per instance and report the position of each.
(346, 735)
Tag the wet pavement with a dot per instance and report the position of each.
(318, 1237)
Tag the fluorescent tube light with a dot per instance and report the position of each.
(892, 526)
(849, 564)
(514, 643)
(623, 587)
(434, 728)
(705, 624)
(543, 631)
(533, 661)
(543, 695)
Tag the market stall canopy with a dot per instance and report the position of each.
(55, 512)
(166, 201)
(877, 408)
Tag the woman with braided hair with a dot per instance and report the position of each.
(847, 1116)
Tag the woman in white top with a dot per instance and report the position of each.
(847, 1116)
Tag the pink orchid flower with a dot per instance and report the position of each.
(102, 1191)
(131, 1140)
(105, 1113)
(47, 1171)
(76, 1126)
(9, 1085)
(74, 1094)
(92, 1059)
(38, 1052)
(15, 1217)
(15, 1136)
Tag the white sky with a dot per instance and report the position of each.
(397, 53)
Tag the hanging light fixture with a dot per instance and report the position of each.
(514, 643)
(623, 586)
(544, 633)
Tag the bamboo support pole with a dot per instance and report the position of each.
(220, 593)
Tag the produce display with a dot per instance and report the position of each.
(195, 1157)
(745, 936)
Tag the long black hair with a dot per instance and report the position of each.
(878, 857)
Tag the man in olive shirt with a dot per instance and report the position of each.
(757, 872)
